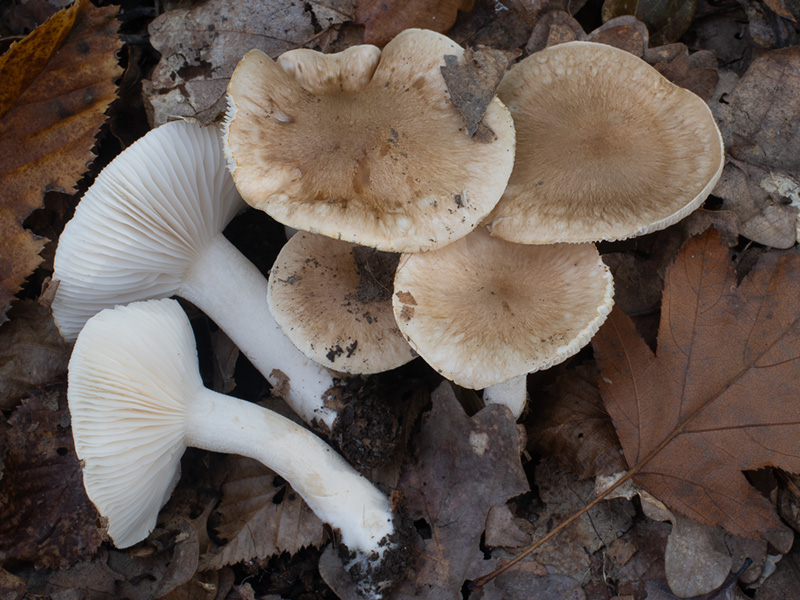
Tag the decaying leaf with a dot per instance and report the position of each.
(52, 114)
(384, 19)
(759, 124)
(166, 562)
(459, 469)
(201, 46)
(570, 424)
(259, 515)
(667, 20)
(32, 351)
(697, 413)
(45, 516)
(472, 86)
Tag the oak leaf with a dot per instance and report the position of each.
(57, 84)
(722, 393)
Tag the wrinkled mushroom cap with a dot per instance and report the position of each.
(482, 310)
(334, 312)
(607, 148)
(364, 145)
(132, 373)
(138, 228)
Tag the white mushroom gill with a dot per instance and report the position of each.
(137, 401)
(151, 227)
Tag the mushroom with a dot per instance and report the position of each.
(607, 148)
(363, 145)
(137, 402)
(151, 227)
(333, 299)
(483, 311)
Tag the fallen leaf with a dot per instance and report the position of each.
(259, 515)
(563, 494)
(92, 579)
(32, 352)
(384, 19)
(693, 416)
(201, 46)
(45, 516)
(459, 468)
(168, 560)
(758, 121)
(472, 85)
(11, 586)
(667, 20)
(570, 423)
(52, 113)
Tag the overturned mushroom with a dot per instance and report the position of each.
(483, 311)
(365, 145)
(137, 402)
(333, 299)
(607, 148)
(151, 227)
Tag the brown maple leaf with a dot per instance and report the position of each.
(60, 82)
(722, 393)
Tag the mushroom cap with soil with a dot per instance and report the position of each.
(365, 145)
(483, 311)
(333, 299)
(137, 401)
(607, 148)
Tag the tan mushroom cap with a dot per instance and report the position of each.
(483, 310)
(364, 145)
(315, 297)
(607, 148)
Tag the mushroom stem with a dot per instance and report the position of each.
(137, 401)
(331, 488)
(512, 393)
(243, 313)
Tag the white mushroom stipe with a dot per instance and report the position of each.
(151, 227)
(137, 401)
(512, 394)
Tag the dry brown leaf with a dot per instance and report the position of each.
(48, 131)
(472, 86)
(569, 423)
(45, 516)
(260, 515)
(721, 394)
(759, 124)
(384, 19)
(201, 46)
(32, 352)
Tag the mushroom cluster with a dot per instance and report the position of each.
(419, 237)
